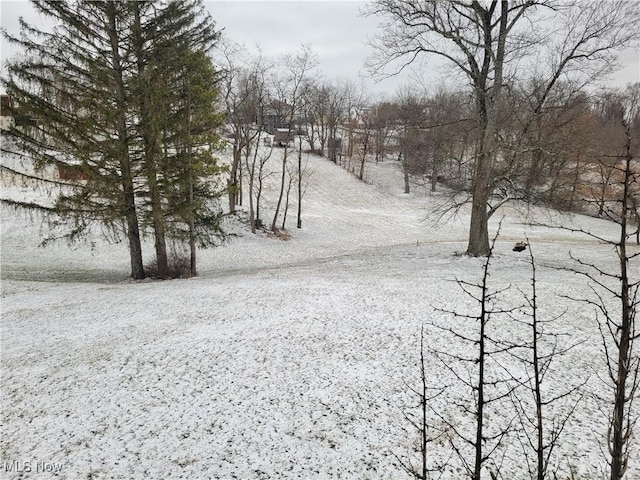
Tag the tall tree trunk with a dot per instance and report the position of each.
(274, 228)
(488, 103)
(286, 204)
(299, 222)
(233, 176)
(157, 214)
(621, 431)
(151, 149)
(192, 236)
(479, 225)
(251, 171)
(481, 187)
(130, 212)
(191, 200)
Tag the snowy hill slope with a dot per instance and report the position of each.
(283, 359)
(341, 215)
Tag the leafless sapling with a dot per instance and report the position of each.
(542, 424)
(615, 297)
(425, 395)
(483, 373)
(292, 86)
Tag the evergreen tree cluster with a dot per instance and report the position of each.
(119, 98)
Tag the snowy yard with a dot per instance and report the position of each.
(283, 359)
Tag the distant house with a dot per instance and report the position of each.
(6, 116)
(276, 115)
(71, 172)
(282, 137)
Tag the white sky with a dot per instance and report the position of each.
(335, 29)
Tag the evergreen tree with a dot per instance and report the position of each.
(194, 211)
(71, 100)
(119, 96)
(165, 42)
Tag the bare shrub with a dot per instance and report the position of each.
(179, 267)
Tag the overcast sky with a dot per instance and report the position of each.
(335, 30)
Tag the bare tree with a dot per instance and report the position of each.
(435, 136)
(618, 325)
(542, 423)
(301, 173)
(290, 87)
(336, 114)
(384, 117)
(258, 175)
(253, 153)
(315, 116)
(624, 369)
(411, 117)
(354, 102)
(481, 372)
(245, 89)
(425, 395)
(287, 190)
(447, 114)
(364, 138)
(487, 42)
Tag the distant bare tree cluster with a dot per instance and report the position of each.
(566, 159)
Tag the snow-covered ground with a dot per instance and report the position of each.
(283, 359)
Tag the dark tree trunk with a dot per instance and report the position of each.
(487, 101)
(274, 228)
(479, 225)
(130, 212)
(299, 222)
(233, 177)
(620, 433)
(151, 150)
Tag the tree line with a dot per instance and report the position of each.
(564, 161)
(561, 159)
